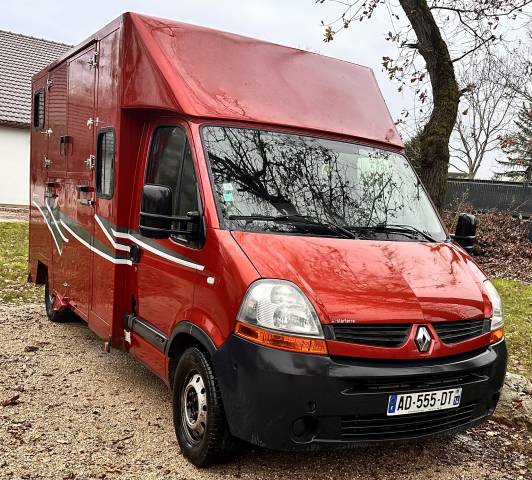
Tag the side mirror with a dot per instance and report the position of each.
(156, 211)
(466, 229)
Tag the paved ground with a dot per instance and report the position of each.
(79, 413)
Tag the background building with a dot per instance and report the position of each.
(20, 58)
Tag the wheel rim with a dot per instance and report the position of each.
(194, 407)
(50, 301)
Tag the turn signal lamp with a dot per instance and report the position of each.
(497, 317)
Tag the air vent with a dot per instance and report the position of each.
(382, 427)
(377, 335)
(454, 332)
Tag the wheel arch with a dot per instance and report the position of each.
(41, 273)
(186, 335)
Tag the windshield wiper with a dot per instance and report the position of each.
(295, 218)
(327, 223)
(397, 228)
(409, 228)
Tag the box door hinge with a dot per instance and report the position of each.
(49, 84)
(90, 162)
(93, 61)
(93, 121)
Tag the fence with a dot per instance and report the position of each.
(483, 195)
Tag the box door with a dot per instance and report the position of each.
(56, 114)
(105, 271)
(79, 188)
(57, 121)
(40, 238)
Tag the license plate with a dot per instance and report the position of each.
(407, 403)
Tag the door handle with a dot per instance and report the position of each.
(134, 253)
(48, 132)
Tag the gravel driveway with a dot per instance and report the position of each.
(68, 410)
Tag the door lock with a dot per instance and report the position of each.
(46, 162)
(48, 132)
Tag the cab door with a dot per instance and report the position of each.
(167, 270)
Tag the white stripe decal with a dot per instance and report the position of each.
(55, 221)
(117, 261)
(155, 251)
(118, 246)
(49, 227)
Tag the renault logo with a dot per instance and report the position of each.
(423, 339)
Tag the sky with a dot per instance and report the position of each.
(296, 23)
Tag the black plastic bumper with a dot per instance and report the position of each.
(291, 401)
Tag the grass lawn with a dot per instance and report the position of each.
(517, 297)
(517, 301)
(14, 265)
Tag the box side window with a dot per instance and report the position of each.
(105, 163)
(38, 109)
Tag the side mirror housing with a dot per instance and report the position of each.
(157, 221)
(466, 229)
(156, 211)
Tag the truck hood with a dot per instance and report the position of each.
(373, 281)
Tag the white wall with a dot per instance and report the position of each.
(14, 165)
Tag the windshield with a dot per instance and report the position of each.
(259, 176)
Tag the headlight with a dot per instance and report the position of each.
(497, 321)
(280, 306)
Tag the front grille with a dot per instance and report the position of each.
(382, 427)
(417, 383)
(454, 332)
(378, 335)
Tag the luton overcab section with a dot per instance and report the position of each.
(240, 217)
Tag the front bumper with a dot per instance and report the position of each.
(292, 401)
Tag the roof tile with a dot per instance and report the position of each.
(21, 57)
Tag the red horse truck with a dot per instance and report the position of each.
(240, 217)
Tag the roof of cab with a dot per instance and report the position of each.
(212, 74)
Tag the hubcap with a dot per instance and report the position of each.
(194, 407)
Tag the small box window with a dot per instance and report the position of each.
(105, 163)
(38, 109)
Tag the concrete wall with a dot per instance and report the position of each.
(14, 165)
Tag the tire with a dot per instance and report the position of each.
(54, 315)
(199, 418)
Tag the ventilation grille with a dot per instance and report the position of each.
(417, 383)
(377, 335)
(403, 427)
(454, 332)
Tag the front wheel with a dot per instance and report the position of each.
(199, 418)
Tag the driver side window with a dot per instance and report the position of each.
(170, 164)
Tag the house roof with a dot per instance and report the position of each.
(21, 57)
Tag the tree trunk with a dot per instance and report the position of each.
(433, 141)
